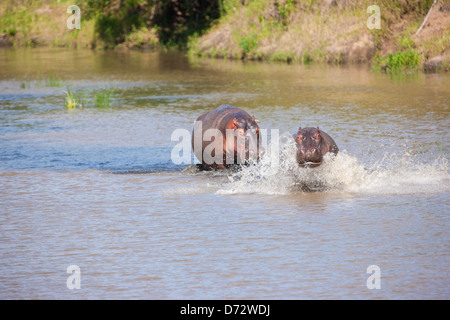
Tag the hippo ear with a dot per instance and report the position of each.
(233, 124)
(299, 129)
(317, 134)
(256, 120)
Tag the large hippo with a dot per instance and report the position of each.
(312, 144)
(225, 136)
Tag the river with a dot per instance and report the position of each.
(97, 188)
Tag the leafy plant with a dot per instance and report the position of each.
(403, 61)
(70, 101)
(284, 10)
(248, 43)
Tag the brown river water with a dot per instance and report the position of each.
(97, 187)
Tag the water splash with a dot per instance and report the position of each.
(343, 173)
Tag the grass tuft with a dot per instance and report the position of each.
(400, 62)
(70, 101)
(103, 98)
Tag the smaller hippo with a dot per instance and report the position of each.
(312, 144)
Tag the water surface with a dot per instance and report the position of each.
(96, 187)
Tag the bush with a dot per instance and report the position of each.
(403, 61)
(248, 43)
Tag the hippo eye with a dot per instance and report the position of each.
(304, 138)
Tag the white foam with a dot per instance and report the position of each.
(392, 174)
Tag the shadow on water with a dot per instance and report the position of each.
(192, 170)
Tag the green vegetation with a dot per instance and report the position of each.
(49, 81)
(71, 102)
(100, 99)
(107, 23)
(103, 98)
(248, 43)
(400, 62)
(96, 98)
(318, 31)
(292, 31)
(406, 60)
(289, 30)
(168, 23)
(53, 81)
(24, 85)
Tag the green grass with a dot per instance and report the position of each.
(71, 102)
(294, 31)
(282, 56)
(315, 31)
(400, 62)
(42, 82)
(103, 98)
(25, 85)
(248, 43)
(53, 81)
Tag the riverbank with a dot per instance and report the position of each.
(332, 31)
(312, 31)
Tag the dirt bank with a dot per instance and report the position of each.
(294, 31)
(331, 31)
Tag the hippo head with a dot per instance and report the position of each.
(245, 144)
(309, 147)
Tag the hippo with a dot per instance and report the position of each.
(312, 144)
(225, 136)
